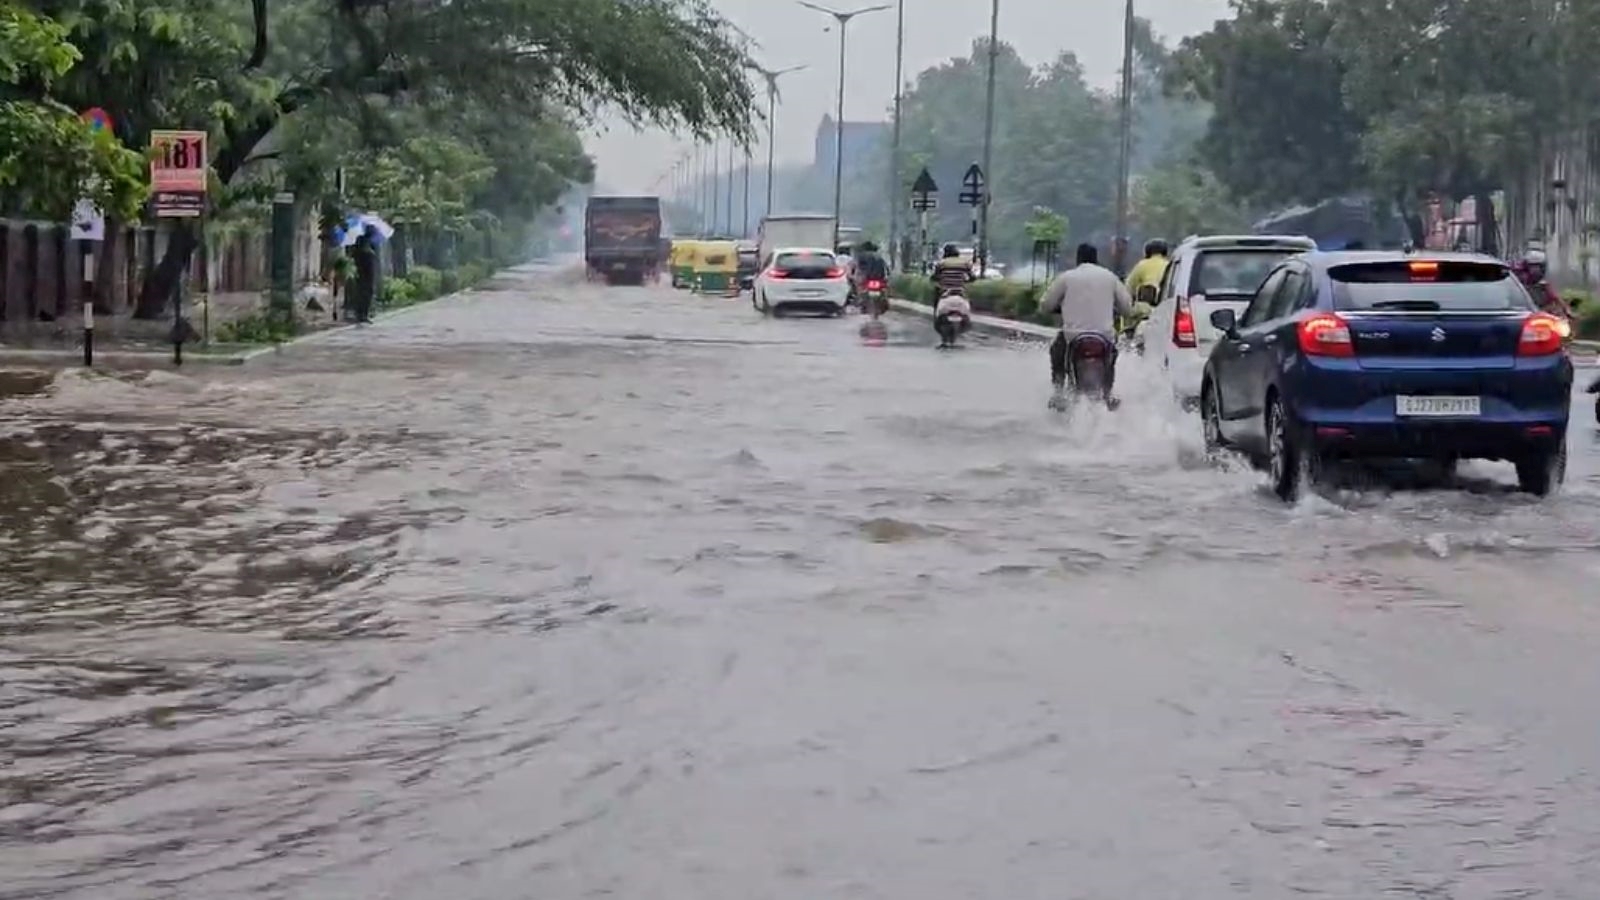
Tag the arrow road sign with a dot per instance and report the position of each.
(973, 186)
(925, 184)
(924, 202)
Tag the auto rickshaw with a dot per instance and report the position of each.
(683, 253)
(716, 268)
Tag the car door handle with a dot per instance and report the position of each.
(1244, 348)
(1270, 339)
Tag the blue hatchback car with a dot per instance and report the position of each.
(1436, 356)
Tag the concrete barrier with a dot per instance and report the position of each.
(1008, 329)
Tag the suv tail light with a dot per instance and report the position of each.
(1183, 325)
(1543, 335)
(778, 273)
(1325, 334)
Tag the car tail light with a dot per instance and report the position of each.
(835, 272)
(778, 273)
(1325, 334)
(1543, 335)
(1424, 270)
(1183, 325)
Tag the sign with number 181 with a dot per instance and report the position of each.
(178, 162)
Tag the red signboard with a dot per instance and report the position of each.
(178, 168)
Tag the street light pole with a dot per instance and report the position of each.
(894, 144)
(772, 76)
(988, 140)
(732, 148)
(843, 18)
(1119, 244)
(746, 190)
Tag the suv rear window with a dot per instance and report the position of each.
(1426, 286)
(1234, 271)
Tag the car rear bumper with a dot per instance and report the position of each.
(1186, 369)
(1444, 438)
(823, 299)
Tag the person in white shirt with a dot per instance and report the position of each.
(1089, 297)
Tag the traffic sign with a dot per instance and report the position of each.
(178, 168)
(98, 119)
(973, 186)
(87, 222)
(925, 184)
(925, 202)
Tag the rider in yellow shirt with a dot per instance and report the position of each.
(1144, 282)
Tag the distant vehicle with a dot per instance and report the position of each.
(622, 239)
(749, 264)
(793, 231)
(1439, 356)
(1206, 274)
(802, 279)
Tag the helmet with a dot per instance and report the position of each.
(950, 250)
(1155, 247)
(1535, 258)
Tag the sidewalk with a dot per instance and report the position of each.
(122, 342)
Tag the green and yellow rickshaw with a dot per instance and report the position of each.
(716, 268)
(683, 251)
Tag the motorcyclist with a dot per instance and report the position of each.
(1144, 282)
(1533, 270)
(952, 314)
(1089, 298)
(870, 267)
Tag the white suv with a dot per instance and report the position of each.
(1207, 274)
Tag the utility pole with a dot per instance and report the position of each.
(732, 148)
(894, 145)
(1119, 244)
(747, 190)
(988, 140)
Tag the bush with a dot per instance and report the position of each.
(397, 293)
(449, 281)
(471, 273)
(1587, 308)
(270, 327)
(916, 288)
(429, 282)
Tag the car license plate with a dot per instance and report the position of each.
(1438, 406)
(809, 292)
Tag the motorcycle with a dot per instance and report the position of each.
(875, 298)
(1090, 364)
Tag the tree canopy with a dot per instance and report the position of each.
(444, 113)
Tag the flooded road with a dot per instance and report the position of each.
(561, 592)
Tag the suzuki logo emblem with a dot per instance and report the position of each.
(1438, 335)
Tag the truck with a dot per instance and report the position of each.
(622, 239)
(804, 230)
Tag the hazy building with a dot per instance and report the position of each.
(863, 142)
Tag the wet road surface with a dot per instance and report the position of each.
(554, 591)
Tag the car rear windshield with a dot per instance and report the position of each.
(1234, 271)
(807, 261)
(1427, 286)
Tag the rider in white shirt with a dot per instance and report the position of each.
(1089, 298)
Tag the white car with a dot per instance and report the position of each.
(1207, 274)
(801, 279)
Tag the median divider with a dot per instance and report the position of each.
(1009, 329)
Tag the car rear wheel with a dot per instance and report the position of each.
(1211, 418)
(1291, 465)
(1542, 473)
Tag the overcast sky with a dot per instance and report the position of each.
(790, 34)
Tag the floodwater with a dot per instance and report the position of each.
(562, 592)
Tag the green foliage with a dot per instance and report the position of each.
(270, 327)
(397, 293)
(1046, 226)
(48, 157)
(995, 297)
(428, 281)
(1179, 200)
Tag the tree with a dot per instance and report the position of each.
(1183, 199)
(216, 65)
(49, 158)
(1280, 130)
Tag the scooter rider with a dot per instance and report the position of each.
(870, 267)
(1089, 298)
(952, 314)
